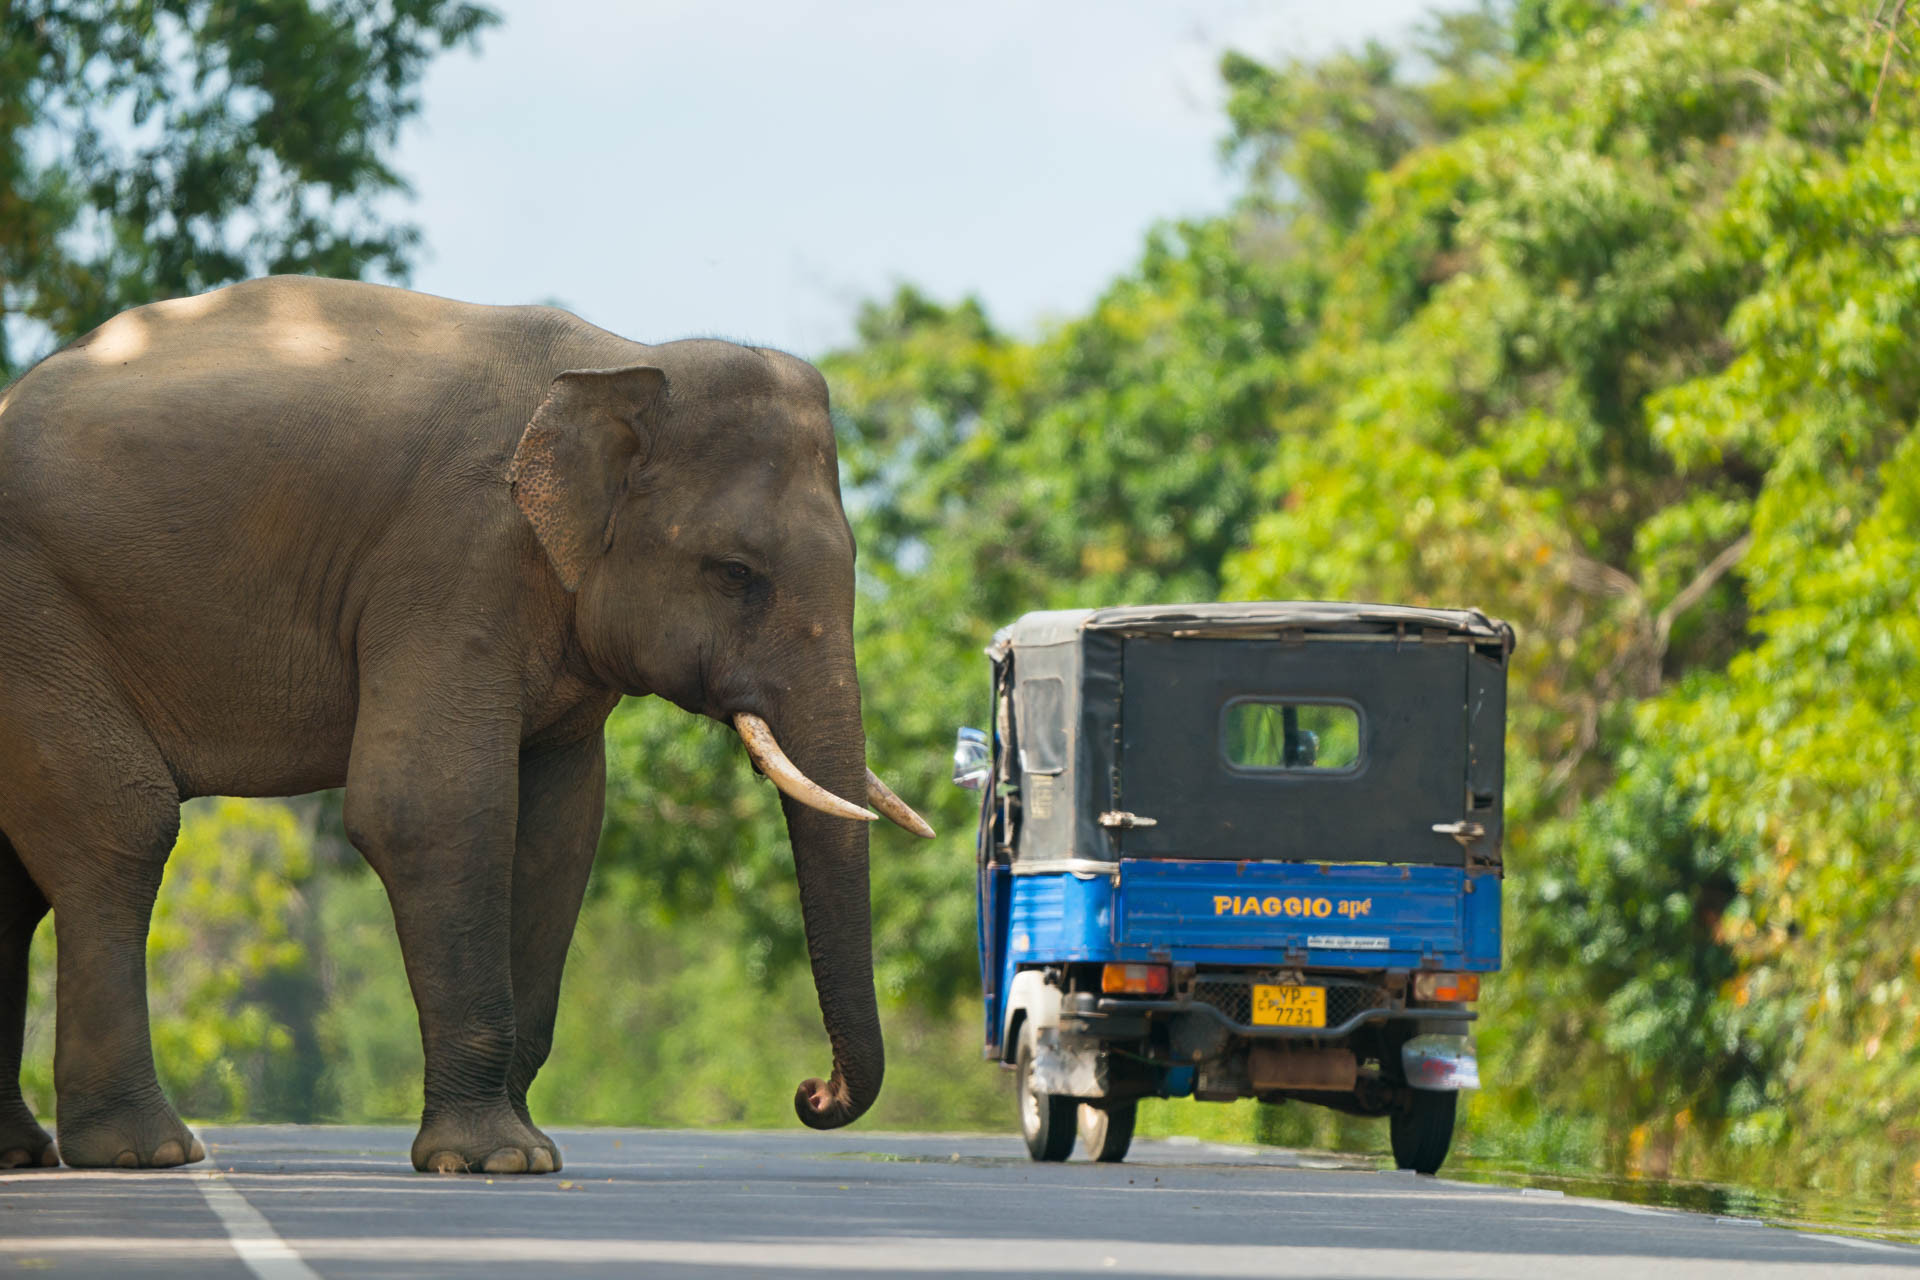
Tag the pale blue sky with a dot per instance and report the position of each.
(753, 168)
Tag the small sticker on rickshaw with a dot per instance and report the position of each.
(1230, 904)
(1340, 942)
(1040, 796)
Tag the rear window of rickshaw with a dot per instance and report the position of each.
(1043, 725)
(1285, 736)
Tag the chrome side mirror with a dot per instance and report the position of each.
(971, 763)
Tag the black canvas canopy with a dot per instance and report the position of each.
(1119, 723)
(1246, 619)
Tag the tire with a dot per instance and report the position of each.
(1423, 1132)
(1106, 1133)
(1046, 1121)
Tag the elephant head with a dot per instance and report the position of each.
(691, 505)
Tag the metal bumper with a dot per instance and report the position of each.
(1114, 1008)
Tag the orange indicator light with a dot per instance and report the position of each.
(1454, 988)
(1134, 979)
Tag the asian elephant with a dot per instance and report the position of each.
(301, 533)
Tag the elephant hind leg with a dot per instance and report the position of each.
(23, 1143)
(92, 811)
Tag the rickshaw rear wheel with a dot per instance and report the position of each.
(1046, 1120)
(1107, 1132)
(1423, 1132)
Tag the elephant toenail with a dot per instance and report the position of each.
(168, 1154)
(196, 1152)
(13, 1159)
(446, 1162)
(542, 1161)
(126, 1160)
(506, 1160)
(49, 1158)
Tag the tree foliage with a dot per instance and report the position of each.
(155, 148)
(1629, 360)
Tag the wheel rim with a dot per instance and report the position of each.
(1029, 1103)
(1093, 1127)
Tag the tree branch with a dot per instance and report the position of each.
(1886, 59)
(1596, 578)
(1702, 583)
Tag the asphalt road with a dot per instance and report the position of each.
(285, 1203)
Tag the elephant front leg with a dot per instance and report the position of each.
(431, 804)
(562, 800)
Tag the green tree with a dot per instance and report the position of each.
(1629, 361)
(155, 148)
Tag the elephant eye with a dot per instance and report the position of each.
(737, 578)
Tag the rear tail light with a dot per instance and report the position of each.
(1453, 988)
(1134, 979)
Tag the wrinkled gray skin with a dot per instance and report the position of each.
(305, 533)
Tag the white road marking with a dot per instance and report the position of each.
(252, 1236)
(1854, 1242)
(1638, 1210)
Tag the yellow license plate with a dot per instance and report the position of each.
(1289, 1006)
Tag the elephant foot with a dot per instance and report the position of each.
(547, 1145)
(25, 1145)
(490, 1141)
(143, 1137)
(540, 1135)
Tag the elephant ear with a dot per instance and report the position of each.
(573, 458)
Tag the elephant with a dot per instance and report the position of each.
(301, 533)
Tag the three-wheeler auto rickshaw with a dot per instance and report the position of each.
(1239, 850)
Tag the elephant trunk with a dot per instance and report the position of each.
(826, 741)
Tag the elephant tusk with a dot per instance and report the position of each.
(766, 753)
(896, 810)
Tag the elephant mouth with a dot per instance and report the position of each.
(764, 749)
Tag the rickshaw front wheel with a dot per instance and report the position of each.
(1423, 1132)
(1107, 1132)
(1046, 1120)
